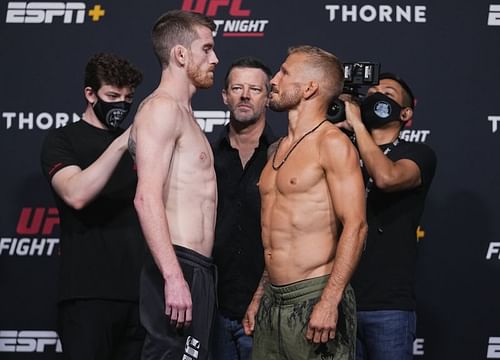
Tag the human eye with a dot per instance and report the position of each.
(390, 93)
(207, 49)
(256, 90)
(236, 88)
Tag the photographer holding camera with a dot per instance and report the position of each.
(397, 176)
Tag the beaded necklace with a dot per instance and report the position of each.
(292, 148)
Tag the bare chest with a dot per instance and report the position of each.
(193, 151)
(298, 175)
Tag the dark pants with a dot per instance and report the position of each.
(163, 340)
(385, 335)
(100, 330)
(230, 341)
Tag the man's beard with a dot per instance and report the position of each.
(286, 100)
(202, 80)
(247, 117)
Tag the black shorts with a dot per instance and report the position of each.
(163, 340)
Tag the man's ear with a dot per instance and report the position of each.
(224, 96)
(90, 94)
(180, 55)
(311, 89)
(406, 114)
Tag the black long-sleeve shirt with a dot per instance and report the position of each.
(238, 251)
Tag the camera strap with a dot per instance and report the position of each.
(388, 149)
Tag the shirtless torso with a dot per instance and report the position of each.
(300, 227)
(189, 186)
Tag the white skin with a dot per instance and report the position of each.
(78, 187)
(246, 98)
(176, 192)
(387, 175)
(305, 204)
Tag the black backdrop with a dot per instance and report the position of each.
(448, 51)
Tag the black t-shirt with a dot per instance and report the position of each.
(102, 247)
(385, 276)
(238, 251)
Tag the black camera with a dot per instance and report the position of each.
(356, 75)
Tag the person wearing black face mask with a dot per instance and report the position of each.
(111, 114)
(397, 175)
(93, 181)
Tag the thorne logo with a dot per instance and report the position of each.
(208, 119)
(494, 15)
(29, 341)
(377, 13)
(33, 221)
(50, 12)
(494, 123)
(493, 348)
(40, 121)
(240, 27)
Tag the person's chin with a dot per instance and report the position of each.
(205, 84)
(244, 119)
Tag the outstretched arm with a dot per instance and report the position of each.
(79, 187)
(156, 131)
(340, 162)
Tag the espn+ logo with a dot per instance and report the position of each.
(29, 341)
(207, 119)
(50, 12)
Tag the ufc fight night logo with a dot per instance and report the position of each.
(377, 13)
(34, 229)
(51, 12)
(242, 26)
(493, 251)
(26, 341)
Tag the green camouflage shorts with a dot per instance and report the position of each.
(281, 324)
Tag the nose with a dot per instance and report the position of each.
(274, 80)
(215, 59)
(245, 94)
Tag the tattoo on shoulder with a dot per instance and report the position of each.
(131, 147)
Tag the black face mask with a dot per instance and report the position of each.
(111, 114)
(379, 109)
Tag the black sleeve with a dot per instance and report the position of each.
(57, 153)
(425, 158)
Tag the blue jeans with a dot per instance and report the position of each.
(385, 335)
(230, 341)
